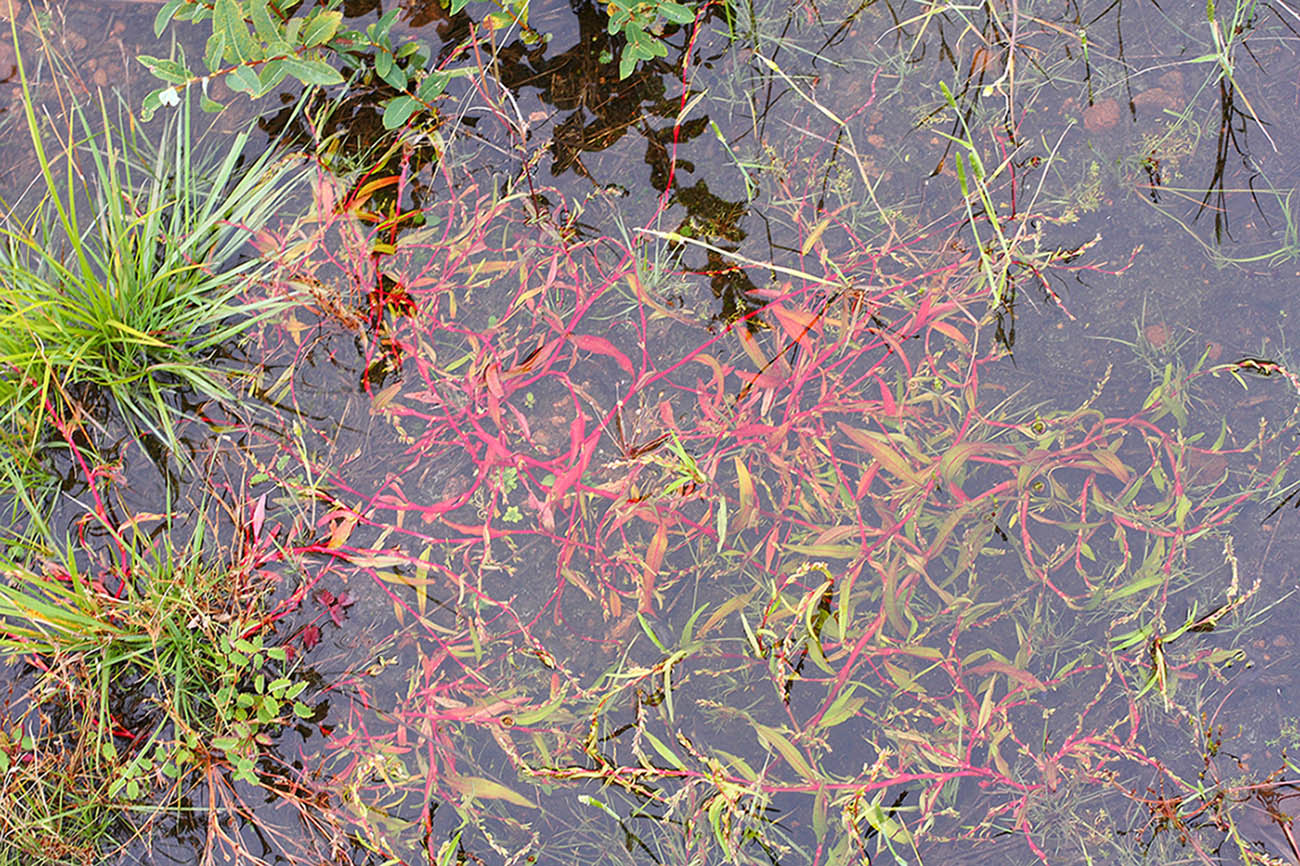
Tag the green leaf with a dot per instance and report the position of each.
(664, 752)
(538, 714)
(302, 711)
(433, 86)
(383, 62)
(844, 707)
(414, 49)
(398, 111)
(676, 12)
(228, 19)
(321, 28)
(650, 632)
(387, 69)
(168, 70)
(776, 740)
(215, 51)
(820, 809)
(457, 5)
(263, 23)
(379, 30)
(312, 71)
(1140, 583)
(272, 74)
(154, 101)
(626, 64)
(165, 15)
(884, 824)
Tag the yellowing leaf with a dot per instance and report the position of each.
(486, 789)
(736, 602)
(826, 551)
(382, 560)
(383, 397)
(875, 445)
(949, 330)
(750, 345)
(748, 496)
(654, 558)
(343, 530)
(814, 236)
(774, 739)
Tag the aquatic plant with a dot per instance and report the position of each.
(815, 527)
(819, 579)
(257, 44)
(152, 655)
(124, 280)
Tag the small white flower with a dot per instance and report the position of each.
(170, 97)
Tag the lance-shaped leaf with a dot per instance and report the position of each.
(479, 788)
(774, 739)
(878, 447)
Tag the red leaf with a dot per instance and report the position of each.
(259, 517)
(337, 607)
(601, 346)
(310, 637)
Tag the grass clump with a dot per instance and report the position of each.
(46, 816)
(151, 659)
(123, 282)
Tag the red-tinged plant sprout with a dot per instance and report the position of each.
(816, 563)
(817, 584)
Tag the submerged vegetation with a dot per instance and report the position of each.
(849, 490)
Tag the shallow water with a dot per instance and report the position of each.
(502, 670)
